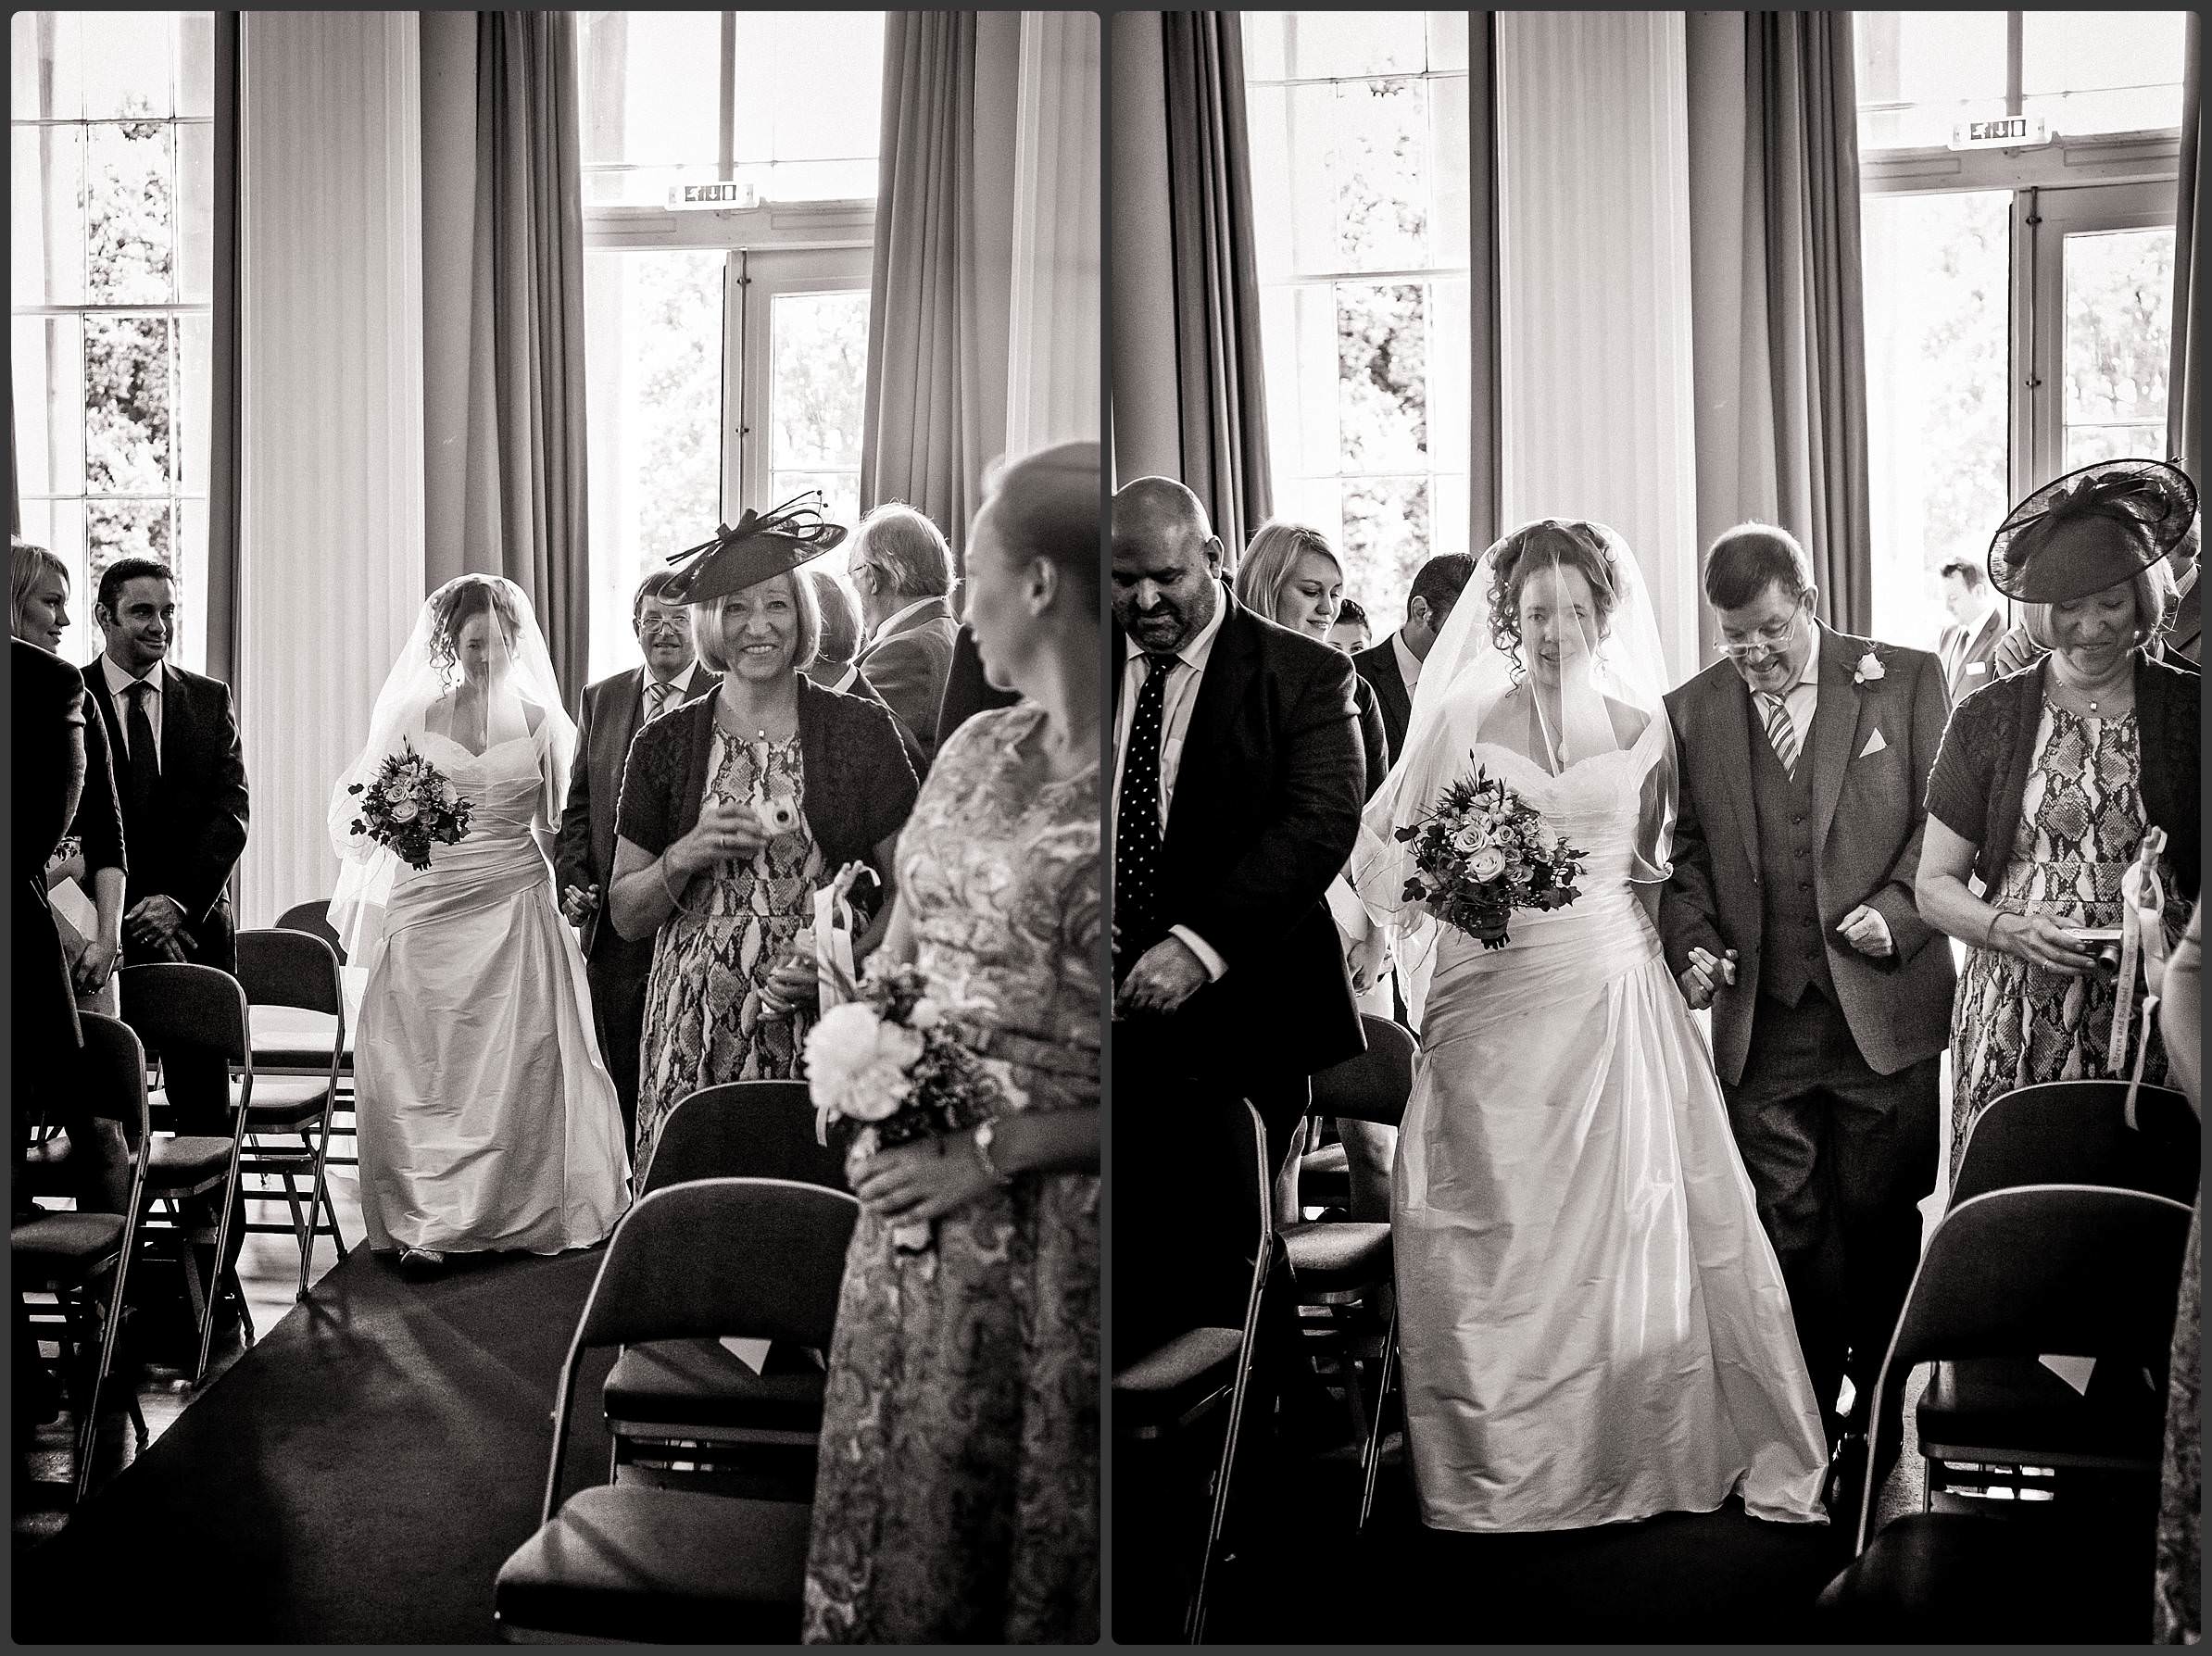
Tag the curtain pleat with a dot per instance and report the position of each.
(1486, 472)
(224, 430)
(1052, 359)
(921, 438)
(2184, 405)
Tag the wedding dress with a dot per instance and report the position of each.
(1593, 1325)
(487, 1120)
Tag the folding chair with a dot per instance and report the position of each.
(175, 1004)
(1336, 1266)
(696, 1400)
(287, 1043)
(635, 1562)
(1977, 1415)
(65, 1254)
(2060, 1268)
(294, 969)
(1167, 1391)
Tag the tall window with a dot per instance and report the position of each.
(111, 286)
(1359, 163)
(726, 347)
(2019, 302)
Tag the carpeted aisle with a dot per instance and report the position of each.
(359, 1477)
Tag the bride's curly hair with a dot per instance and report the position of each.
(452, 605)
(1542, 545)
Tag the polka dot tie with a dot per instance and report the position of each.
(1136, 900)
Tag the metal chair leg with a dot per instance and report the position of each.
(1371, 1461)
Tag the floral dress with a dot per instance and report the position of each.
(957, 1495)
(2082, 820)
(702, 1020)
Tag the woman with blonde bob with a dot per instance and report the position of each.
(1291, 576)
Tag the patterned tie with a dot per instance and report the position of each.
(1781, 730)
(662, 694)
(142, 764)
(1136, 837)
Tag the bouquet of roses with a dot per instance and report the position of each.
(411, 806)
(888, 1068)
(1483, 852)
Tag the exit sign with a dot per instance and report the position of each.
(714, 196)
(2018, 132)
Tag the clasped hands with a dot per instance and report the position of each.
(1863, 928)
(925, 1180)
(156, 926)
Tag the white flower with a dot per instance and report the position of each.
(1487, 865)
(404, 811)
(1869, 667)
(1542, 835)
(1469, 840)
(857, 1063)
(448, 794)
(927, 1014)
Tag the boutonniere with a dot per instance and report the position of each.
(1868, 669)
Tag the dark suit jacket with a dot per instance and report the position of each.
(47, 772)
(607, 721)
(1378, 668)
(967, 691)
(908, 665)
(1265, 810)
(199, 810)
(2185, 630)
(1374, 743)
(1967, 663)
(1869, 814)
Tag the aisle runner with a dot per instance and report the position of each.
(359, 1477)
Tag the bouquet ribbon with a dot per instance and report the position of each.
(834, 972)
(2143, 946)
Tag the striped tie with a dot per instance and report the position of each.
(1781, 730)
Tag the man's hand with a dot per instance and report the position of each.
(1163, 978)
(1703, 979)
(157, 923)
(1867, 932)
(578, 903)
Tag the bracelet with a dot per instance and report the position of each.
(662, 863)
(1989, 932)
(982, 1141)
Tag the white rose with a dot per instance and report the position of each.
(927, 1014)
(857, 1063)
(1869, 667)
(449, 794)
(1487, 865)
(404, 811)
(1541, 835)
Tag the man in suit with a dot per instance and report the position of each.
(835, 667)
(2185, 626)
(1969, 642)
(613, 711)
(967, 690)
(901, 569)
(1804, 757)
(180, 772)
(1393, 667)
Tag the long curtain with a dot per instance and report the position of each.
(1778, 316)
(2184, 405)
(515, 505)
(1052, 358)
(1486, 472)
(921, 439)
(225, 438)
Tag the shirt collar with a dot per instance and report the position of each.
(1807, 680)
(682, 682)
(119, 681)
(1200, 644)
(1408, 664)
(891, 620)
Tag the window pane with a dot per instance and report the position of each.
(196, 63)
(46, 257)
(115, 529)
(818, 344)
(1921, 72)
(1305, 44)
(1387, 538)
(196, 221)
(127, 405)
(1382, 366)
(810, 181)
(653, 338)
(2128, 109)
(840, 492)
(652, 87)
(59, 525)
(129, 63)
(2128, 63)
(796, 112)
(129, 215)
(47, 65)
(195, 391)
(1938, 272)
(2118, 329)
(48, 354)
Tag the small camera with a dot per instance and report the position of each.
(776, 813)
(2104, 946)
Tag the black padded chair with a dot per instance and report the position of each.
(288, 968)
(695, 1402)
(286, 1045)
(68, 1254)
(176, 1004)
(1983, 1421)
(642, 1565)
(1169, 1391)
(2060, 1268)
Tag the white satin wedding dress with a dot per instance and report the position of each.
(487, 1120)
(1593, 1324)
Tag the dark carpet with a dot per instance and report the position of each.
(358, 1476)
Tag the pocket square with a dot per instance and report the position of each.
(1874, 743)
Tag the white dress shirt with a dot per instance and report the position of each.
(1174, 725)
(119, 681)
(1408, 664)
(848, 678)
(675, 698)
(1802, 698)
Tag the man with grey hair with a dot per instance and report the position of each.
(611, 712)
(901, 569)
(835, 667)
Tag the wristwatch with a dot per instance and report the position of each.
(983, 1135)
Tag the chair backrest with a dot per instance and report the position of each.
(1374, 1085)
(760, 1259)
(2077, 1133)
(114, 1071)
(285, 967)
(315, 919)
(744, 1130)
(173, 1003)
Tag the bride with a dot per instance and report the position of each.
(1593, 1324)
(486, 1117)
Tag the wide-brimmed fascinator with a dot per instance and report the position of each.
(2131, 512)
(758, 546)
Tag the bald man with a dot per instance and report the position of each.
(1238, 777)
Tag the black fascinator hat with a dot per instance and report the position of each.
(760, 545)
(2129, 514)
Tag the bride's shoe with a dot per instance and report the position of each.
(421, 1262)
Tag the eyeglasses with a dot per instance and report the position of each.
(1766, 639)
